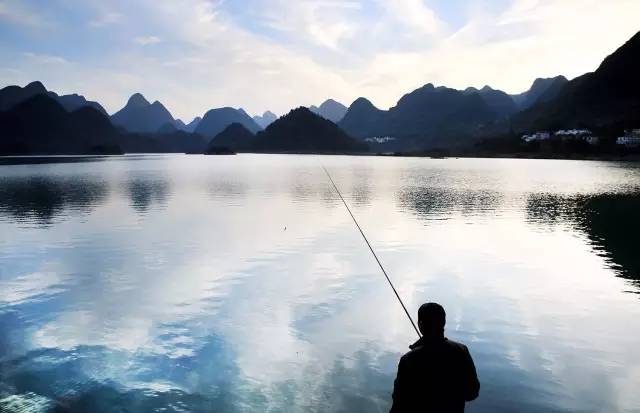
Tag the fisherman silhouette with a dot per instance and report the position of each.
(438, 374)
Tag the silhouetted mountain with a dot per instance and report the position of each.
(179, 125)
(431, 111)
(167, 128)
(500, 103)
(10, 96)
(608, 96)
(139, 115)
(330, 109)
(302, 131)
(424, 118)
(40, 125)
(191, 126)
(216, 120)
(542, 90)
(363, 119)
(74, 102)
(266, 119)
(235, 137)
(175, 141)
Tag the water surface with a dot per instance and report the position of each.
(192, 283)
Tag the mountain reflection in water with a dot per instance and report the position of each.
(609, 220)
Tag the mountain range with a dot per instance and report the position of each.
(302, 131)
(140, 116)
(41, 125)
(299, 131)
(542, 90)
(608, 99)
(428, 116)
(498, 101)
(10, 96)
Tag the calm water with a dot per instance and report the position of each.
(189, 283)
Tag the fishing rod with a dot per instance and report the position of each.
(372, 252)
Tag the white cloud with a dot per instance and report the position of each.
(105, 19)
(320, 23)
(45, 58)
(19, 13)
(147, 40)
(416, 15)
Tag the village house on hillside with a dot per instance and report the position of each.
(631, 137)
(578, 134)
(564, 134)
(538, 136)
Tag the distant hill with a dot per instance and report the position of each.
(140, 116)
(500, 103)
(179, 125)
(363, 119)
(40, 125)
(266, 119)
(235, 137)
(542, 90)
(430, 111)
(428, 116)
(608, 96)
(191, 126)
(330, 109)
(302, 131)
(10, 96)
(216, 120)
(74, 102)
(167, 128)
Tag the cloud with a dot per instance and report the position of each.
(105, 19)
(147, 40)
(18, 12)
(45, 58)
(416, 15)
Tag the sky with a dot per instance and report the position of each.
(194, 55)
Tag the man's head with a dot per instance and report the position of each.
(431, 319)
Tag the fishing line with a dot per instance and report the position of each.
(372, 251)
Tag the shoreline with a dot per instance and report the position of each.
(572, 157)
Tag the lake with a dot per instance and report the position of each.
(239, 283)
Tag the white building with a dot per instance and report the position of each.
(573, 132)
(538, 136)
(380, 139)
(629, 140)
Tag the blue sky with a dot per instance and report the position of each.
(193, 55)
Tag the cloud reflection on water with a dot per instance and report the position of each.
(181, 285)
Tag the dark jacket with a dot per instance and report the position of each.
(435, 376)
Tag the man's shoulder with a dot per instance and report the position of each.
(449, 344)
(455, 345)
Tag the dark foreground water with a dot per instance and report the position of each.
(222, 284)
